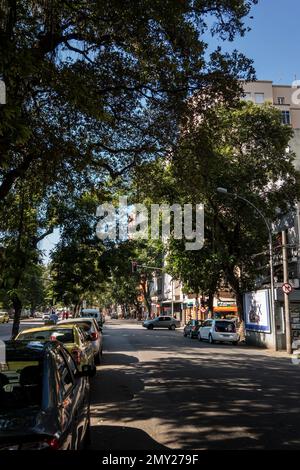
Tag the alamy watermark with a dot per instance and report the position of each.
(136, 222)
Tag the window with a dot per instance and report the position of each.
(259, 98)
(285, 117)
(280, 100)
(247, 96)
(65, 377)
(225, 327)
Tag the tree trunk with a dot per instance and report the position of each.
(17, 304)
(211, 301)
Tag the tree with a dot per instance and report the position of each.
(99, 86)
(244, 150)
(76, 269)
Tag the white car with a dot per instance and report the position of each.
(218, 330)
(93, 313)
(90, 326)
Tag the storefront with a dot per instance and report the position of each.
(166, 309)
(228, 312)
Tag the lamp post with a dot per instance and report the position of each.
(237, 196)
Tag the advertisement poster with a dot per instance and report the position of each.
(257, 311)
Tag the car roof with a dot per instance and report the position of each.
(47, 328)
(76, 320)
(28, 349)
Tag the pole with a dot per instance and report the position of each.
(172, 301)
(288, 334)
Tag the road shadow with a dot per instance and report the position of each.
(114, 386)
(122, 438)
(116, 359)
(223, 401)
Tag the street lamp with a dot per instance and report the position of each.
(237, 196)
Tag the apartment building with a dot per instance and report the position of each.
(286, 98)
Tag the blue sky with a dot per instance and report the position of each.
(273, 44)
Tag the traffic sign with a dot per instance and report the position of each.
(287, 288)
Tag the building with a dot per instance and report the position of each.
(286, 98)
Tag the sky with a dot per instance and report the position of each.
(274, 40)
(274, 45)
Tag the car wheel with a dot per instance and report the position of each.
(150, 327)
(199, 337)
(184, 334)
(235, 343)
(172, 327)
(210, 339)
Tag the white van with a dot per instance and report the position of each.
(93, 313)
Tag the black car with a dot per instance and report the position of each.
(191, 328)
(44, 399)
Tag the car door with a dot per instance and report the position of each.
(205, 329)
(81, 399)
(160, 322)
(87, 347)
(66, 397)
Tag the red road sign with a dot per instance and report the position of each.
(287, 288)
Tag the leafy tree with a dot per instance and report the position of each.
(244, 150)
(99, 86)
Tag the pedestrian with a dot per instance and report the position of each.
(53, 317)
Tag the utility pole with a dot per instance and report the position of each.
(172, 301)
(285, 295)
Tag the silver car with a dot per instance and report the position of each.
(90, 326)
(219, 330)
(163, 321)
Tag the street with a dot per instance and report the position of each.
(158, 390)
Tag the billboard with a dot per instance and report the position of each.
(257, 311)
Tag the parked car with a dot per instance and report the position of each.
(4, 317)
(75, 340)
(93, 313)
(91, 327)
(44, 399)
(219, 330)
(191, 328)
(163, 321)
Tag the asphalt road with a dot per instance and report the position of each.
(159, 390)
(5, 328)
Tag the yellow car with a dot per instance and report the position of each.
(74, 339)
(4, 317)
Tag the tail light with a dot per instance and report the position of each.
(50, 443)
(76, 355)
(194, 328)
(53, 443)
(94, 336)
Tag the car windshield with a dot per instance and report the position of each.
(91, 315)
(225, 326)
(20, 384)
(64, 335)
